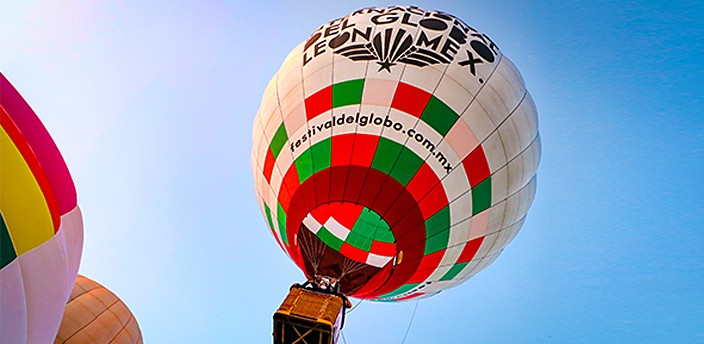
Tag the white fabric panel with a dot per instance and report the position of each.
(426, 78)
(13, 311)
(492, 100)
(338, 230)
(517, 204)
(315, 79)
(495, 152)
(45, 279)
(478, 121)
(344, 69)
(487, 244)
(453, 94)
(507, 85)
(72, 223)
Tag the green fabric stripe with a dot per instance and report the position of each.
(347, 93)
(359, 241)
(322, 155)
(278, 141)
(369, 227)
(268, 217)
(385, 236)
(281, 214)
(304, 165)
(7, 250)
(404, 288)
(481, 196)
(437, 231)
(385, 156)
(329, 239)
(369, 223)
(314, 159)
(453, 271)
(439, 116)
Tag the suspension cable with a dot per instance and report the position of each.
(408, 329)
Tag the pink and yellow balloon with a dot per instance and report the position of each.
(41, 228)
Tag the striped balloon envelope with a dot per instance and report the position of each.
(41, 228)
(95, 315)
(396, 149)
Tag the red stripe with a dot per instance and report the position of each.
(383, 248)
(434, 201)
(428, 190)
(44, 148)
(410, 296)
(410, 99)
(289, 185)
(34, 166)
(470, 250)
(476, 166)
(347, 214)
(354, 253)
(364, 149)
(318, 103)
(268, 165)
(342, 147)
(427, 266)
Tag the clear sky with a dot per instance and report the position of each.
(152, 103)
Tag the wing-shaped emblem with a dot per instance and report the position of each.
(389, 47)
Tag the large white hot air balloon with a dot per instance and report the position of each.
(396, 151)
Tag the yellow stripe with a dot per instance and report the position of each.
(22, 202)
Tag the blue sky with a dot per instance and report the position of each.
(152, 103)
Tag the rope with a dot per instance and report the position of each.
(343, 336)
(355, 306)
(408, 329)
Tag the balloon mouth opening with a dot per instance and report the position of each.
(347, 241)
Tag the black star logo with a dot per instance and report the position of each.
(385, 65)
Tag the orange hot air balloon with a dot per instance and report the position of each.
(95, 315)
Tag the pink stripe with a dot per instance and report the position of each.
(41, 143)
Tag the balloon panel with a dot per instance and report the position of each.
(95, 315)
(412, 124)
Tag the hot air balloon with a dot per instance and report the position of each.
(95, 315)
(395, 152)
(41, 229)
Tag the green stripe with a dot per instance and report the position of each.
(359, 241)
(347, 93)
(439, 116)
(281, 214)
(453, 271)
(481, 196)
(370, 224)
(329, 239)
(268, 216)
(437, 231)
(7, 250)
(406, 166)
(314, 159)
(278, 141)
(404, 288)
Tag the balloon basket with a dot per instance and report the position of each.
(309, 316)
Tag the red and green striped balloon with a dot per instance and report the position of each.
(396, 149)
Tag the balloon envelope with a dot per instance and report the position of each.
(396, 149)
(95, 315)
(41, 229)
